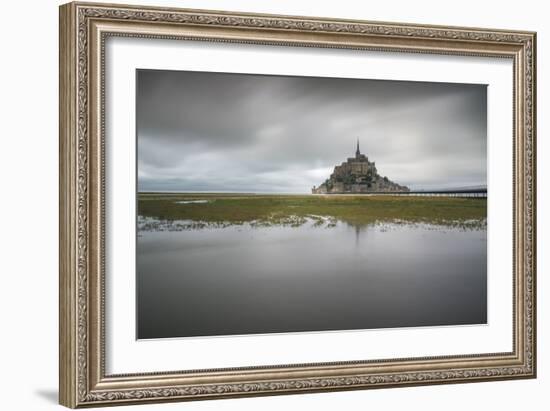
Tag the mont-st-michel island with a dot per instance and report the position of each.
(357, 175)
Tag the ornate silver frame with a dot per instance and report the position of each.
(83, 30)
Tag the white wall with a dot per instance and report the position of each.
(28, 233)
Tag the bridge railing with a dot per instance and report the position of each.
(481, 193)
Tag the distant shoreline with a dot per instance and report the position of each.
(480, 193)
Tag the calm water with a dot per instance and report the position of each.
(246, 280)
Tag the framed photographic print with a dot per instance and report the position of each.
(259, 204)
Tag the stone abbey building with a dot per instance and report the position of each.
(357, 175)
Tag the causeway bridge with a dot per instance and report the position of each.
(473, 192)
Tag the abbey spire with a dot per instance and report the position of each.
(357, 152)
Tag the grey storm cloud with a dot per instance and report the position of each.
(201, 131)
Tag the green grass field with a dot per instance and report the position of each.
(234, 209)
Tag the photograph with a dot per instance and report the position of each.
(290, 204)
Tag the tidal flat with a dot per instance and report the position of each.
(218, 210)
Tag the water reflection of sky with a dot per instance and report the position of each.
(244, 279)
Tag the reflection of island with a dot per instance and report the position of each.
(358, 230)
(357, 175)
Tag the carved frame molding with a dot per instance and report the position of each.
(83, 30)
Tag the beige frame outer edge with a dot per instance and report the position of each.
(83, 27)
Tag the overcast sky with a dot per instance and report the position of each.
(253, 133)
